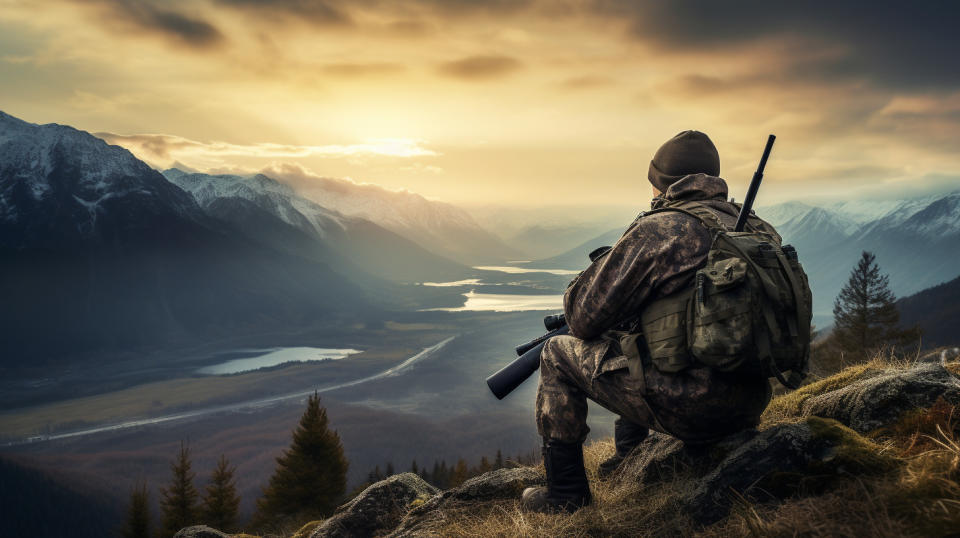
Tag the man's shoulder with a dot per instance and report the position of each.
(664, 227)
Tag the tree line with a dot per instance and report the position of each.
(308, 483)
(445, 476)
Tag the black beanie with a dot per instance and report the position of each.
(690, 152)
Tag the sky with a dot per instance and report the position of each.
(508, 102)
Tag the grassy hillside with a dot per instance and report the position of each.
(900, 481)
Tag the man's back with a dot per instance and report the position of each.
(657, 256)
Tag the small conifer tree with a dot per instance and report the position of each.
(137, 524)
(865, 313)
(179, 500)
(220, 500)
(311, 475)
(460, 473)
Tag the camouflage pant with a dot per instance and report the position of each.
(695, 405)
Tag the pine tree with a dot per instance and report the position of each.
(390, 471)
(311, 475)
(413, 467)
(443, 477)
(865, 313)
(498, 462)
(459, 473)
(484, 465)
(220, 501)
(138, 514)
(179, 502)
(435, 474)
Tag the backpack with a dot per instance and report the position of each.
(747, 310)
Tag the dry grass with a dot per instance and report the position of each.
(306, 530)
(901, 481)
(620, 508)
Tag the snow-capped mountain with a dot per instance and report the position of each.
(100, 251)
(439, 227)
(916, 241)
(265, 192)
(60, 186)
(371, 248)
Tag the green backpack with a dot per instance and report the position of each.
(748, 309)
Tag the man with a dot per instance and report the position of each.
(657, 256)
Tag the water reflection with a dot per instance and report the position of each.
(516, 270)
(495, 302)
(275, 357)
(467, 282)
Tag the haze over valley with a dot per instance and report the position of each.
(145, 307)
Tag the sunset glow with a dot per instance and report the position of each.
(496, 101)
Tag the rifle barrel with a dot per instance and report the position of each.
(754, 186)
(514, 374)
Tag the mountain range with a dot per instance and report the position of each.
(439, 227)
(100, 251)
(278, 216)
(916, 242)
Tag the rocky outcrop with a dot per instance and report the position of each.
(200, 531)
(495, 485)
(822, 443)
(378, 508)
(881, 399)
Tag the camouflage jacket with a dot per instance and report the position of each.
(657, 255)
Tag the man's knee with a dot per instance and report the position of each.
(551, 356)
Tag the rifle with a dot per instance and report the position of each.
(514, 374)
(511, 376)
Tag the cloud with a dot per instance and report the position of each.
(409, 28)
(310, 183)
(587, 82)
(162, 150)
(317, 12)
(893, 43)
(480, 67)
(145, 15)
(363, 69)
(470, 7)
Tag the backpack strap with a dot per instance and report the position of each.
(698, 211)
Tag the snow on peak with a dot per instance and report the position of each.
(43, 160)
(266, 192)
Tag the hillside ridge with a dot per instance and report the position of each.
(872, 449)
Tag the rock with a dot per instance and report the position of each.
(783, 461)
(880, 400)
(378, 508)
(200, 531)
(661, 457)
(502, 484)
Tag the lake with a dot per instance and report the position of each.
(496, 302)
(518, 270)
(273, 357)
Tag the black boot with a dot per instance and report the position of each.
(567, 487)
(626, 437)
